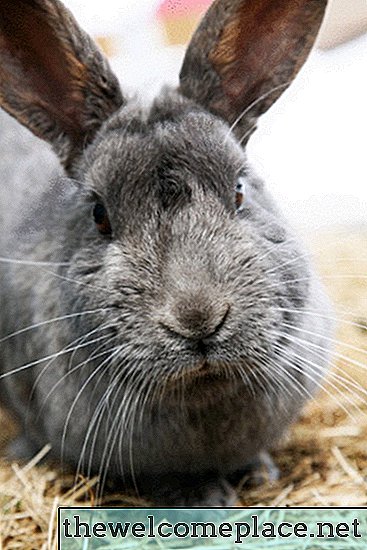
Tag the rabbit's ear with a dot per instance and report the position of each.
(245, 53)
(53, 79)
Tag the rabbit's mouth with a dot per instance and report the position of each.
(206, 368)
(202, 370)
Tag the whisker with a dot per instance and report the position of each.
(35, 363)
(310, 345)
(50, 321)
(315, 313)
(118, 426)
(340, 379)
(313, 368)
(72, 347)
(333, 341)
(74, 281)
(253, 104)
(33, 263)
(85, 384)
(96, 421)
(345, 380)
(91, 357)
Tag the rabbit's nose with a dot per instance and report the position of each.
(195, 319)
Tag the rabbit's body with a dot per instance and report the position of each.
(24, 158)
(166, 353)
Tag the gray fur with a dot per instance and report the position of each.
(184, 392)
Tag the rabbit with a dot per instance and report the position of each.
(154, 302)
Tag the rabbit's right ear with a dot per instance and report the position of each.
(53, 79)
(245, 54)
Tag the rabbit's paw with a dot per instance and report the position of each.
(209, 493)
(261, 470)
(20, 449)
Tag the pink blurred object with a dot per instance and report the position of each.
(182, 7)
(179, 18)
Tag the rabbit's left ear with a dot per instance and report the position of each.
(245, 54)
(53, 79)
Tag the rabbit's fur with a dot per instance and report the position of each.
(173, 362)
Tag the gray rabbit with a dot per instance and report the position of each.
(154, 303)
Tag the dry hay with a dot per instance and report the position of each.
(323, 462)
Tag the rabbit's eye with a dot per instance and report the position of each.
(240, 192)
(101, 218)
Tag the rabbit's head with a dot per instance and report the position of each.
(184, 247)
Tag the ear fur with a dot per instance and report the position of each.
(53, 79)
(245, 54)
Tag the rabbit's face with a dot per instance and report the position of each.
(197, 265)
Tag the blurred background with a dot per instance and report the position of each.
(311, 146)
